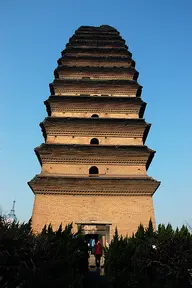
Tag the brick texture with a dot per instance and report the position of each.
(124, 212)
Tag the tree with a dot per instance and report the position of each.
(150, 258)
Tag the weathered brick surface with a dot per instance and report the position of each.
(104, 106)
(125, 212)
(95, 63)
(110, 76)
(89, 115)
(105, 140)
(83, 169)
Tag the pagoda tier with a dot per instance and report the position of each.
(93, 33)
(105, 106)
(125, 88)
(95, 127)
(95, 154)
(96, 73)
(96, 61)
(130, 186)
(97, 43)
(99, 52)
(97, 32)
(101, 29)
(96, 40)
(92, 37)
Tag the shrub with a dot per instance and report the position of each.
(150, 258)
(49, 259)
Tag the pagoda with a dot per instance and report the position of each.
(94, 160)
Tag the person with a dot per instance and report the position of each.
(98, 253)
(92, 246)
(89, 248)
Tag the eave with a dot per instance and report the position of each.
(111, 86)
(93, 69)
(96, 41)
(73, 153)
(92, 100)
(97, 58)
(88, 186)
(106, 28)
(83, 125)
(97, 44)
(97, 32)
(101, 71)
(91, 36)
(106, 51)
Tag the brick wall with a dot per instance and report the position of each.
(102, 140)
(101, 114)
(125, 212)
(83, 169)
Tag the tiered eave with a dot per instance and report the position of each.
(95, 77)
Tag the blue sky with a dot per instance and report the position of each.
(158, 33)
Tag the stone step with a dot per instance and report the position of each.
(92, 261)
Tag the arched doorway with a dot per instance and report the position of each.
(95, 116)
(94, 171)
(94, 141)
(97, 231)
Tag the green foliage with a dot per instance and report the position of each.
(157, 259)
(160, 259)
(49, 259)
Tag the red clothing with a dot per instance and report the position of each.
(98, 249)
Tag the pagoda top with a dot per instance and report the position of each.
(97, 29)
(106, 27)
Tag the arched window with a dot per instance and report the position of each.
(95, 116)
(94, 141)
(93, 170)
(85, 77)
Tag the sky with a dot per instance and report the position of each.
(158, 33)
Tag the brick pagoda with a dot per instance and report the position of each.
(94, 159)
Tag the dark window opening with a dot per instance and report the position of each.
(93, 170)
(95, 116)
(86, 78)
(94, 141)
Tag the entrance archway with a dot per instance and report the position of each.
(95, 230)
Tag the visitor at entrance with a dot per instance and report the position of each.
(89, 248)
(98, 253)
(92, 246)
